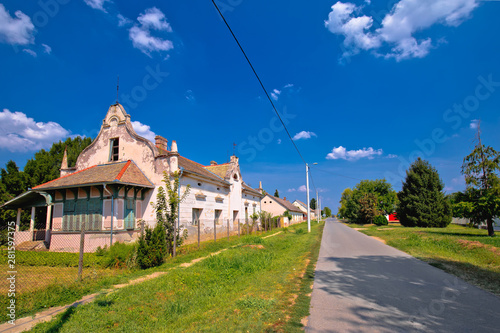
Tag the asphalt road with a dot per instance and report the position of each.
(363, 285)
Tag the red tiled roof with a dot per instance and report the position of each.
(119, 173)
(198, 169)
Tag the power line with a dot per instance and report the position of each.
(258, 78)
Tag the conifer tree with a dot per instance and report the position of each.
(422, 202)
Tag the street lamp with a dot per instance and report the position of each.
(308, 204)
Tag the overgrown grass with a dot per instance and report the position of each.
(466, 252)
(256, 285)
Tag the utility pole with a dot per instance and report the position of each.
(308, 203)
(317, 206)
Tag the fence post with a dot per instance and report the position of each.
(238, 221)
(215, 231)
(227, 229)
(82, 244)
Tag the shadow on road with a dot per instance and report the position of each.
(394, 293)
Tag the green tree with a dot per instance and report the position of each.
(276, 193)
(312, 204)
(481, 200)
(12, 183)
(368, 207)
(45, 166)
(327, 212)
(167, 202)
(152, 247)
(422, 202)
(289, 215)
(367, 197)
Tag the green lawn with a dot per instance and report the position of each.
(466, 252)
(259, 285)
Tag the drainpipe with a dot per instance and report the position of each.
(112, 213)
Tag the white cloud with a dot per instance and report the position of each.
(153, 18)
(30, 52)
(303, 188)
(18, 30)
(97, 4)
(190, 96)
(143, 130)
(353, 155)
(276, 94)
(304, 135)
(474, 124)
(292, 190)
(47, 49)
(392, 156)
(396, 36)
(18, 133)
(279, 141)
(123, 21)
(140, 34)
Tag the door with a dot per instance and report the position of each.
(129, 214)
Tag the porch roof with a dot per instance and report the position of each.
(27, 200)
(124, 173)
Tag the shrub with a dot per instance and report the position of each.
(152, 247)
(380, 220)
(299, 231)
(119, 255)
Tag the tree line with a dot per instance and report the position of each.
(422, 201)
(43, 167)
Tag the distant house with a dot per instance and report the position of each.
(117, 177)
(303, 207)
(277, 206)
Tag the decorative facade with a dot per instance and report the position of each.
(116, 178)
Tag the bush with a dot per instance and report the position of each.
(300, 231)
(380, 220)
(119, 255)
(152, 247)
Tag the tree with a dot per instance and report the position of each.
(369, 197)
(289, 215)
(45, 166)
(167, 202)
(276, 193)
(327, 212)
(422, 202)
(368, 207)
(312, 204)
(481, 200)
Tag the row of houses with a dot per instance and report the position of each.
(115, 180)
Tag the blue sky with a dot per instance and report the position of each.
(364, 86)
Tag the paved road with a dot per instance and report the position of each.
(362, 285)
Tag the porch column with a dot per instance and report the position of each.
(47, 223)
(32, 220)
(18, 219)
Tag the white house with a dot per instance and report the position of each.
(117, 177)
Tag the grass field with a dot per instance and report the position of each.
(259, 285)
(465, 252)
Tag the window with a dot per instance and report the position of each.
(82, 211)
(196, 216)
(114, 149)
(217, 217)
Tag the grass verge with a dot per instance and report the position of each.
(259, 285)
(465, 252)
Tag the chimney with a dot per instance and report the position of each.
(260, 185)
(284, 198)
(64, 163)
(213, 163)
(161, 142)
(174, 146)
